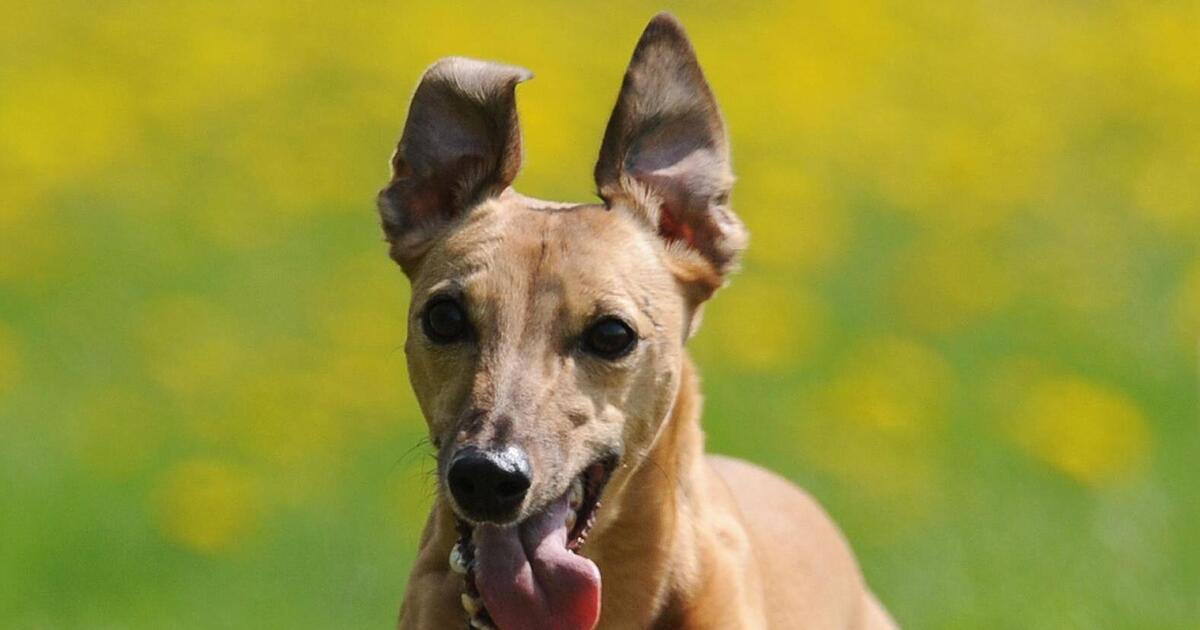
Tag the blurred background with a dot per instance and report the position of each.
(968, 320)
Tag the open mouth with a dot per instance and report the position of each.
(530, 575)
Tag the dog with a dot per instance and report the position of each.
(546, 347)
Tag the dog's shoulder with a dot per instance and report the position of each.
(802, 555)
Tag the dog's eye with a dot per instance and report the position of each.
(609, 338)
(444, 321)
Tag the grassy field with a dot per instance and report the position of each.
(968, 320)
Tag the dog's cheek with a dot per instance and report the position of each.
(650, 394)
(439, 390)
(421, 382)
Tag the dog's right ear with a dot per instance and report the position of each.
(665, 155)
(461, 144)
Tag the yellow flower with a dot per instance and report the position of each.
(61, 123)
(891, 385)
(763, 326)
(206, 505)
(1093, 434)
(873, 425)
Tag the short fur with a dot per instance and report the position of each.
(683, 540)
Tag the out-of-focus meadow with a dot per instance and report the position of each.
(968, 320)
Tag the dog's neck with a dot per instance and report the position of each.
(648, 522)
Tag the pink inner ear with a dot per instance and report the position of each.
(681, 215)
(690, 219)
(674, 230)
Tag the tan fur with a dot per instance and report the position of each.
(683, 540)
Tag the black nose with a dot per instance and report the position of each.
(489, 485)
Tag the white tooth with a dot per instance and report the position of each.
(457, 563)
(470, 604)
(575, 499)
(570, 521)
(481, 624)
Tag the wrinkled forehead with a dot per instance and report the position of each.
(583, 255)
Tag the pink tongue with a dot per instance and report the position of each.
(528, 579)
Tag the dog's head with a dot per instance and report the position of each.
(545, 339)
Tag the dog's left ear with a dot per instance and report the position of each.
(666, 156)
(461, 144)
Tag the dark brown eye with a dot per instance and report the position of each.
(609, 338)
(444, 321)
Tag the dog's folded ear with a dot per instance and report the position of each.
(666, 156)
(461, 144)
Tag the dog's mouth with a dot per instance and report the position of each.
(530, 574)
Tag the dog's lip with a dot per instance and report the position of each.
(518, 516)
(516, 520)
(595, 478)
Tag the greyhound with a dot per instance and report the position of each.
(546, 347)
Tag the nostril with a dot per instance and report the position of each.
(512, 488)
(461, 486)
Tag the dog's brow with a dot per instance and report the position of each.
(449, 287)
(614, 305)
